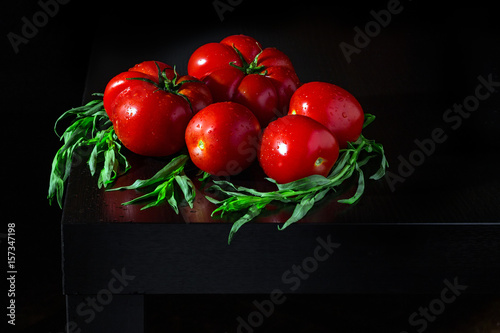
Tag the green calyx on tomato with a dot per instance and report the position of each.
(164, 83)
(249, 68)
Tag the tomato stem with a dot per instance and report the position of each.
(249, 68)
(167, 85)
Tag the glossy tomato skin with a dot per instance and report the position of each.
(258, 93)
(116, 86)
(248, 46)
(222, 139)
(224, 83)
(211, 57)
(150, 68)
(197, 92)
(332, 106)
(152, 124)
(267, 96)
(144, 70)
(150, 120)
(295, 146)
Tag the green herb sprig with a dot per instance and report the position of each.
(91, 127)
(166, 184)
(303, 193)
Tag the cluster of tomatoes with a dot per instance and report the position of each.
(239, 103)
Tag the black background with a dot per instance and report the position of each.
(424, 61)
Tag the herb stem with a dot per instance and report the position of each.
(352, 161)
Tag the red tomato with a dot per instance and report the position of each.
(238, 69)
(150, 107)
(294, 147)
(222, 139)
(332, 106)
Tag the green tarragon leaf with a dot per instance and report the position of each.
(171, 184)
(173, 167)
(251, 213)
(90, 127)
(304, 206)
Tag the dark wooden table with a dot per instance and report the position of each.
(441, 223)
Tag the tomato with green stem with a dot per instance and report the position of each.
(238, 69)
(150, 107)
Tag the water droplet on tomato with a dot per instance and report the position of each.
(344, 114)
